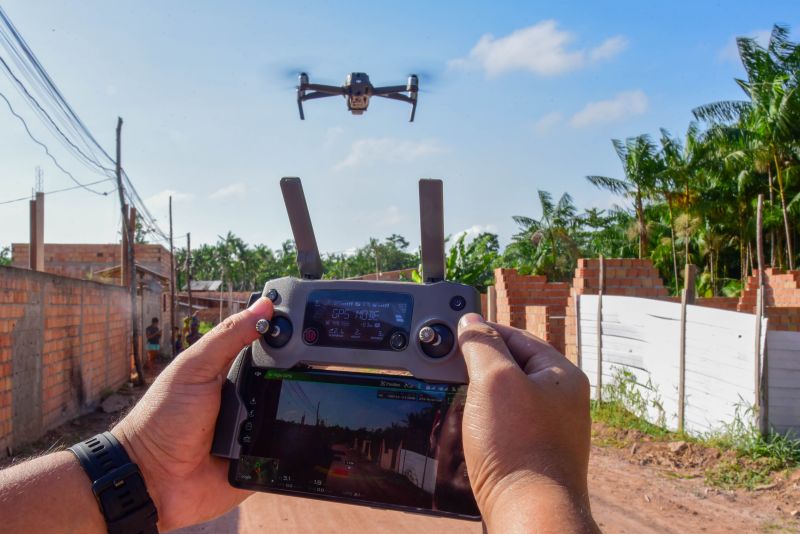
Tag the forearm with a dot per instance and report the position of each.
(48, 494)
(542, 509)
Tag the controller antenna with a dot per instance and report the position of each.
(308, 260)
(431, 220)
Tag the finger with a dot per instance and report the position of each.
(484, 350)
(530, 352)
(211, 356)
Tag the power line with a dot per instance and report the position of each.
(39, 77)
(58, 191)
(47, 151)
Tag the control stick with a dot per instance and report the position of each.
(436, 340)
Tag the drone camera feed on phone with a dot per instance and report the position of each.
(382, 439)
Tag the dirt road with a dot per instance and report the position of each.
(626, 498)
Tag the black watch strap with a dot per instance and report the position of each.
(117, 485)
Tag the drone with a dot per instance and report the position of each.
(357, 90)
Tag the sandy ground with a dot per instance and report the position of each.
(626, 498)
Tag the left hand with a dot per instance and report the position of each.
(169, 431)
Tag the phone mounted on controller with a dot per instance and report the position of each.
(363, 324)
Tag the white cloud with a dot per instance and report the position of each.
(236, 190)
(541, 49)
(622, 106)
(547, 122)
(387, 150)
(730, 52)
(474, 231)
(161, 199)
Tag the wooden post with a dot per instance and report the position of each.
(124, 280)
(171, 284)
(761, 405)
(578, 349)
(687, 297)
(491, 304)
(128, 233)
(189, 270)
(598, 390)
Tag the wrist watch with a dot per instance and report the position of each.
(117, 485)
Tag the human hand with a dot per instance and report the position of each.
(526, 431)
(169, 431)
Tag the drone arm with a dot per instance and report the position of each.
(327, 89)
(381, 91)
(398, 96)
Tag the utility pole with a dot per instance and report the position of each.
(131, 262)
(189, 269)
(171, 284)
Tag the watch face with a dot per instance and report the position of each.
(383, 440)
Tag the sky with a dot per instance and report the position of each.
(517, 97)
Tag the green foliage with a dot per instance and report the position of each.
(757, 455)
(472, 263)
(248, 267)
(5, 256)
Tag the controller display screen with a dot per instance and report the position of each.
(377, 320)
(386, 440)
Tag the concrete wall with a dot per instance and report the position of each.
(63, 342)
(549, 309)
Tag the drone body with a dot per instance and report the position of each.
(357, 90)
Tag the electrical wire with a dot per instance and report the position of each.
(40, 78)
(47, 151)
(74, 187)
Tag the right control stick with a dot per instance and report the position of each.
(436, 340)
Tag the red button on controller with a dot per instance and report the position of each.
(310, 335)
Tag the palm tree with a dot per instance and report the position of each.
(771, 116)
(547, 245)
(640, 163)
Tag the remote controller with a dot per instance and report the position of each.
(364, 324)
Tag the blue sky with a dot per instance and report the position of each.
(527, 96)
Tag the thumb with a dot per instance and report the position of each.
(485, 352)
(211, 355)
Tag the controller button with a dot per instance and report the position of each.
(398, 341)
(310, 335)
(458, 303)
(279, 333)
(251, 414)
(245, 439)
(272, 295)
(436, 340)
(248, 426)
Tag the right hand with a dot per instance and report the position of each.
(526, 430)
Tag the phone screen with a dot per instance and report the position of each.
(378, 439)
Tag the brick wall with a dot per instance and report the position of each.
(516, 291)
(540, 321)
(63, 342)
(80, 261)
(781, 288)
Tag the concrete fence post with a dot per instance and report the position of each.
(687, 297)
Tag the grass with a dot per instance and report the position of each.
(757, 456)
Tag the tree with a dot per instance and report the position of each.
(546, 245)
(5, 256)
(472, 263)
(640, 164)
(770, 118)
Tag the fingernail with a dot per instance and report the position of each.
(470, 318)
(259, 302)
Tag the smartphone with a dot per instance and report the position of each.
(383, 440)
